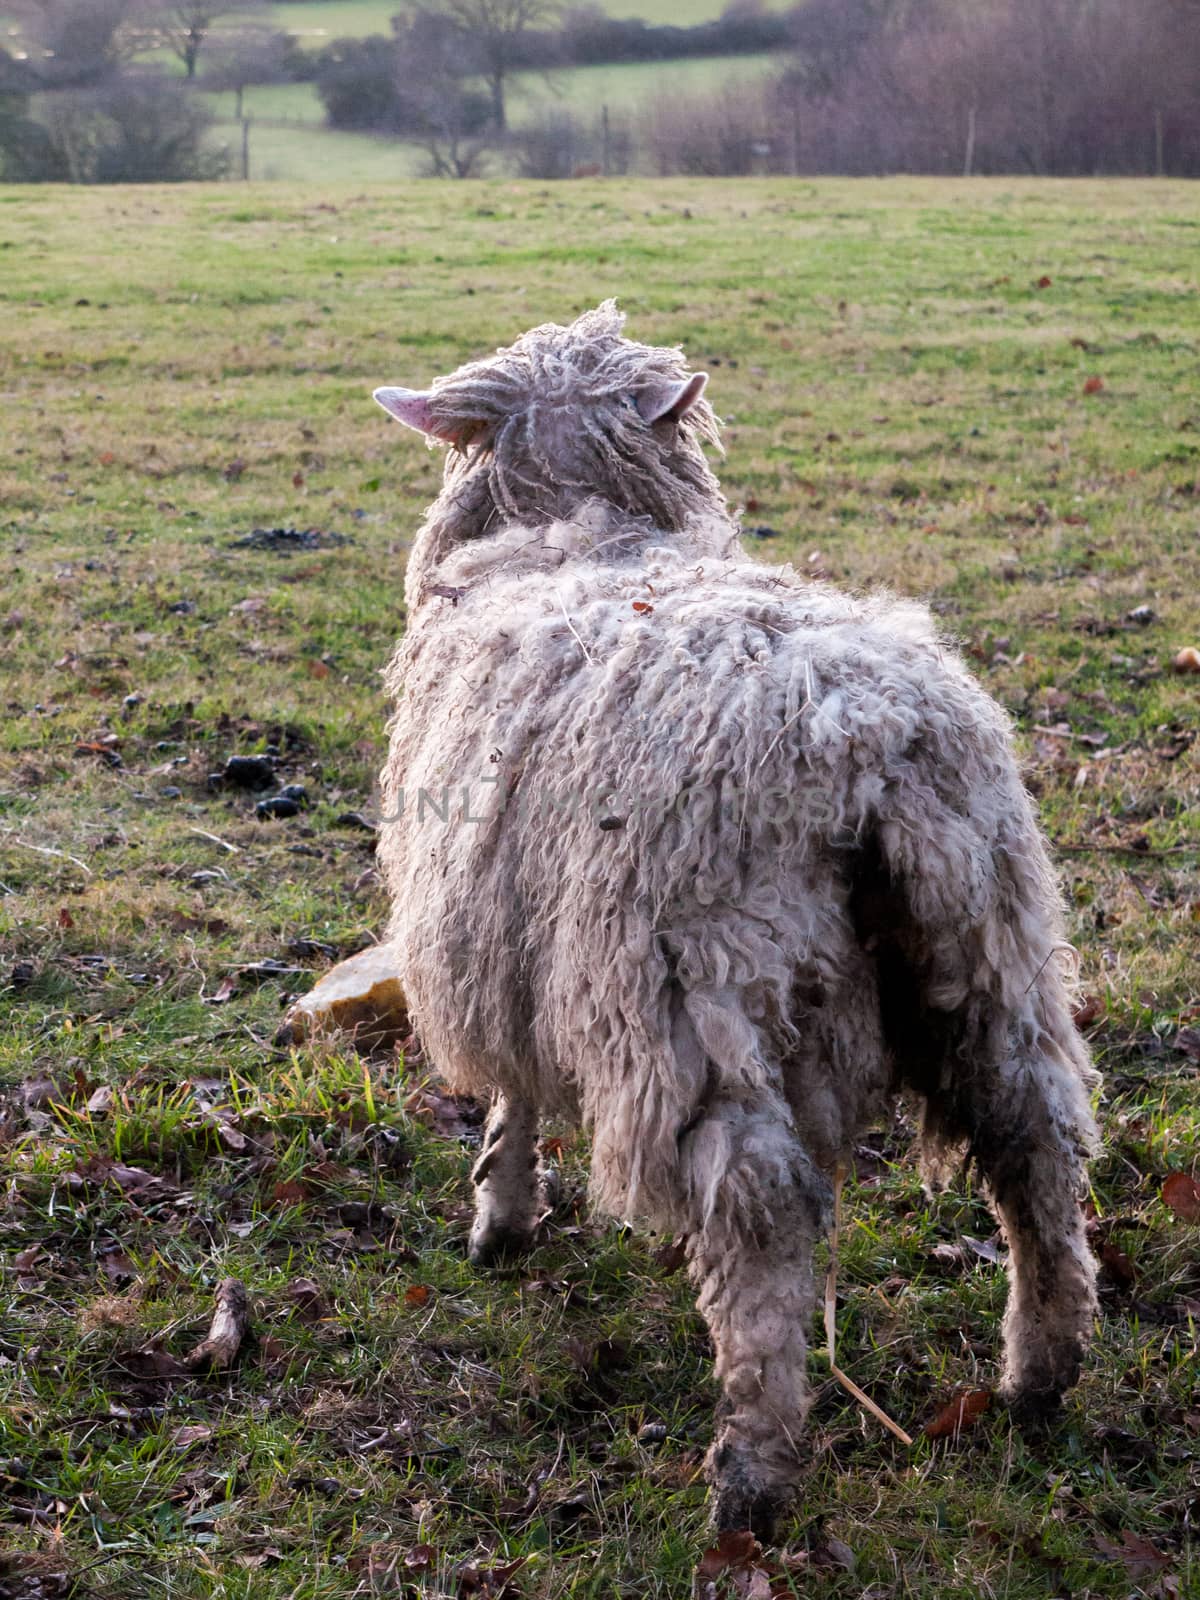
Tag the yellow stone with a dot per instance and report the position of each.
(361, 997)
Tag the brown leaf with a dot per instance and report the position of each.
(734, 1548)
(316, 668)
(420, 1558)
(1188, 1040)
(488, 1583)
(1140, 1557)
(962, 1412)
(308, 1297)
(1117, 1265)
(643, 608)
(297, 480)
(100, 1100)
(1181, 1193)
(117, 1266)
(1043, 282)
(106, 458)
(289, 1192)
(192, 1433)
(669, 1257)
(831, 1552)
(225, 991)
(417, 1294)
(24, 1260)
(1089, 1009)
(1093, 385)
(65, 919)
(1188, 660)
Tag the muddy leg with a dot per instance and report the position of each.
(1036, 1177)
(758, 1205)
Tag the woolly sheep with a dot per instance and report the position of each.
(715, 861)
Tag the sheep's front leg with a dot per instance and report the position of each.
(758, 1206)
(507, 1188)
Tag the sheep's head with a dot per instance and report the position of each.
(571, 414)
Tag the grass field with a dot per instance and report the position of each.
(290, 142)
(315, 22)
(983, 394)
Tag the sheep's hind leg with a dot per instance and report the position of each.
(1031, 1143)
(757, 1205)
(507, 1186)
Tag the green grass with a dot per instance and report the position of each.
(905, 406)
(315, 22)
(290, 142)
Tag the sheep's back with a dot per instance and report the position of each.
(647, 775)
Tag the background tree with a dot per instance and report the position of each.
(238, 57)
(77, 42)
(186, 25)
(491, 34)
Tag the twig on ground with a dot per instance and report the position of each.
(233, 849)
(45, 850)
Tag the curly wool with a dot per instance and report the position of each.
(715, 860)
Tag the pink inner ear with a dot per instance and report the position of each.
(673, 400)
(409, 406)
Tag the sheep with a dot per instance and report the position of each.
(714, 861)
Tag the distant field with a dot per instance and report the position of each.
(317, 21)
(981, 394)
(308, 151)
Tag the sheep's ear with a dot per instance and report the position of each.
(673, 400)
(414, 409)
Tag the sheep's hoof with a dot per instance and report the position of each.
(1034, 1400)
(740, 1499)
(736, 1507)
(1034, 1411)
(492, 1244)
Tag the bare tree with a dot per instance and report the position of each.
(492, 31)
(238, 57)
(186, 25)
(77, 42)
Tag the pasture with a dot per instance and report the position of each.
(981, 393)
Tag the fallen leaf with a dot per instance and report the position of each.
(289, 1192)
(297, 480)
(1090, 1008)
(316, 668)
(65, 919)
(1093, 385)
(831, 1552)
(1140, 1557)
(488, 1583)
(1188, 660)
(100, 1100)
(420, 1558)
(1043, 282)
(117, 1266)
(963, 1412)
(1119, 1268)
(417, 1294)
(191, 1433)
(308, 1297)
(1181, 1193)
(1188, 1040)
(643, 608)
(734, 1548)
